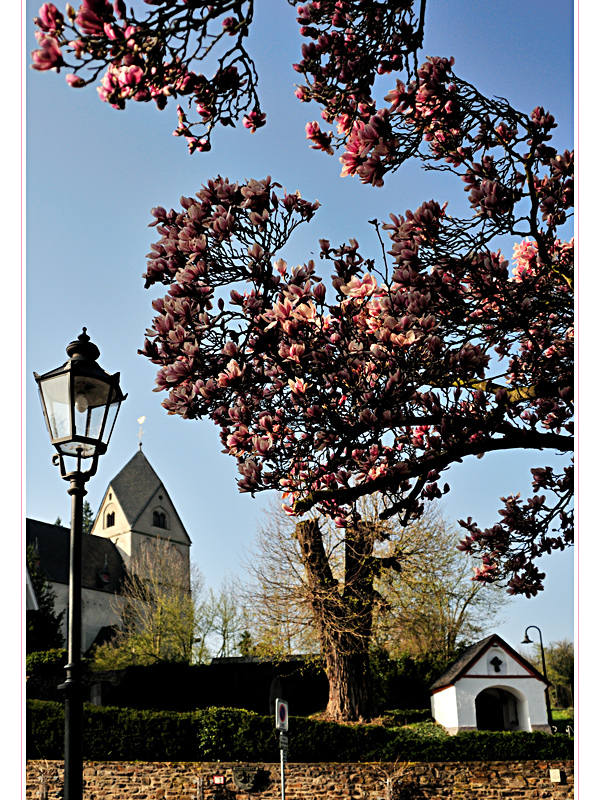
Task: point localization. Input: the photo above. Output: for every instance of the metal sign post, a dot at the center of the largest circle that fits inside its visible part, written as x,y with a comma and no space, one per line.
281,723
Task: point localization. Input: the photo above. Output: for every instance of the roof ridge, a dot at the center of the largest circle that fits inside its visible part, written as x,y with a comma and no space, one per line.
456,669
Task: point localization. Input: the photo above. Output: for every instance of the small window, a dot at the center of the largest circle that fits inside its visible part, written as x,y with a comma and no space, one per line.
159,519
110,519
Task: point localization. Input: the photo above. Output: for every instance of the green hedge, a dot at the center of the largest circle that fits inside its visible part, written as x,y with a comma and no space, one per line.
226,734
42,661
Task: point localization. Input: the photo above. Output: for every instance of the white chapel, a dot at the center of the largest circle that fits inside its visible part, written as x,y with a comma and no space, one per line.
490,687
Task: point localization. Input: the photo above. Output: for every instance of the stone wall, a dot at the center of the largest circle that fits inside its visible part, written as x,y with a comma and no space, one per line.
120,780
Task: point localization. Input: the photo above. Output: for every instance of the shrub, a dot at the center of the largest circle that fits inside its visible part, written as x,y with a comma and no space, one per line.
45,725
406,716
227,734
45,660
235,734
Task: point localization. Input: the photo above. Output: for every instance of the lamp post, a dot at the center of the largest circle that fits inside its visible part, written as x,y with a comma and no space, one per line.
527,640
80,403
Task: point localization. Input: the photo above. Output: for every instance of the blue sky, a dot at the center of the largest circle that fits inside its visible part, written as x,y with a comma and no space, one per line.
92,176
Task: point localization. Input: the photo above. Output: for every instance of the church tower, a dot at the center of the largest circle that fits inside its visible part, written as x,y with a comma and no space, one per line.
137,513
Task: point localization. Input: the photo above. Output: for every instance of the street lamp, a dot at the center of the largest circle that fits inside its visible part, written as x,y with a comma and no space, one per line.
527,640
80,402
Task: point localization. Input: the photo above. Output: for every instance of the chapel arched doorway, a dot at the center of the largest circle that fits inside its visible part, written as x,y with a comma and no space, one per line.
497,710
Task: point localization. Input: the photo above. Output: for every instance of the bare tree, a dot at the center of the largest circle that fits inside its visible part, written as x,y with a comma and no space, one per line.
225,620
275,591
433,604
161,605
316,588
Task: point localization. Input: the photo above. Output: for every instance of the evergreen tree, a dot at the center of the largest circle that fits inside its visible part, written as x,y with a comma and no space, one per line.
43,625
88,517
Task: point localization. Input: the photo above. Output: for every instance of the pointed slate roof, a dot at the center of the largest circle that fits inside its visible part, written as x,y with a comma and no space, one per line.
135,486
52,546
457,669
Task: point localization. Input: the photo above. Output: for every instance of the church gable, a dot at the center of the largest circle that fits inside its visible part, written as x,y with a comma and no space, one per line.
111,520
137,503
159,518
497,661
488,658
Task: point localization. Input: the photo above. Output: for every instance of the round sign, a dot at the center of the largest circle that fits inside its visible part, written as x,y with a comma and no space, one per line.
281,715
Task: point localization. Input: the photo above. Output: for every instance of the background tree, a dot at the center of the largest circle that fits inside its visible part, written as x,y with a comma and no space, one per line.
168,615
431,606
88,517
43,624
425,605
560,668
275,588
159,609
226,621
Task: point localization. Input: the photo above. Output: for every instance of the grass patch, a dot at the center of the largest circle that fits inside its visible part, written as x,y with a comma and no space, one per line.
563,718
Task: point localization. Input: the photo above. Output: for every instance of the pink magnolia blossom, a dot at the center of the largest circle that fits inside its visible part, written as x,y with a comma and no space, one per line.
254,120
75,81
50,55
320,140
50,19
360,287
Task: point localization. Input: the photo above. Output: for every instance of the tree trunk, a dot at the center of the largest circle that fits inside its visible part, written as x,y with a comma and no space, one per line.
350,695
343,613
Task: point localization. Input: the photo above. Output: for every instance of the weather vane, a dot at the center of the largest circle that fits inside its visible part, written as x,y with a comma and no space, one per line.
141,421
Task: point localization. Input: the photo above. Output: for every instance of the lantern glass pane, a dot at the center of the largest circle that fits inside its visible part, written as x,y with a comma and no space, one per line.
110,420
77,448
91,398
55,399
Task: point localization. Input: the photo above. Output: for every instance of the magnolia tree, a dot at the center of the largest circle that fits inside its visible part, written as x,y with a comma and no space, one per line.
375,376
158,57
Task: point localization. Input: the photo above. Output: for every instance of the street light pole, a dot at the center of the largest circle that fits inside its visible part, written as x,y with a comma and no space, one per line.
72,687
527,640
80,402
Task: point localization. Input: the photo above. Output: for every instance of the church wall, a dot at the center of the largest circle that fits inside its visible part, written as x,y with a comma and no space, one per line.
160,519
467,690
141,541
123,543
98,609
444,709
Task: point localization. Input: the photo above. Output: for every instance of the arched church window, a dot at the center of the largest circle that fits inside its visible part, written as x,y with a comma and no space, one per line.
110,519
159,519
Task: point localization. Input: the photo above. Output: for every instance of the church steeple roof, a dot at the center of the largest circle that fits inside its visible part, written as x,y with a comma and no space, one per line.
136,486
